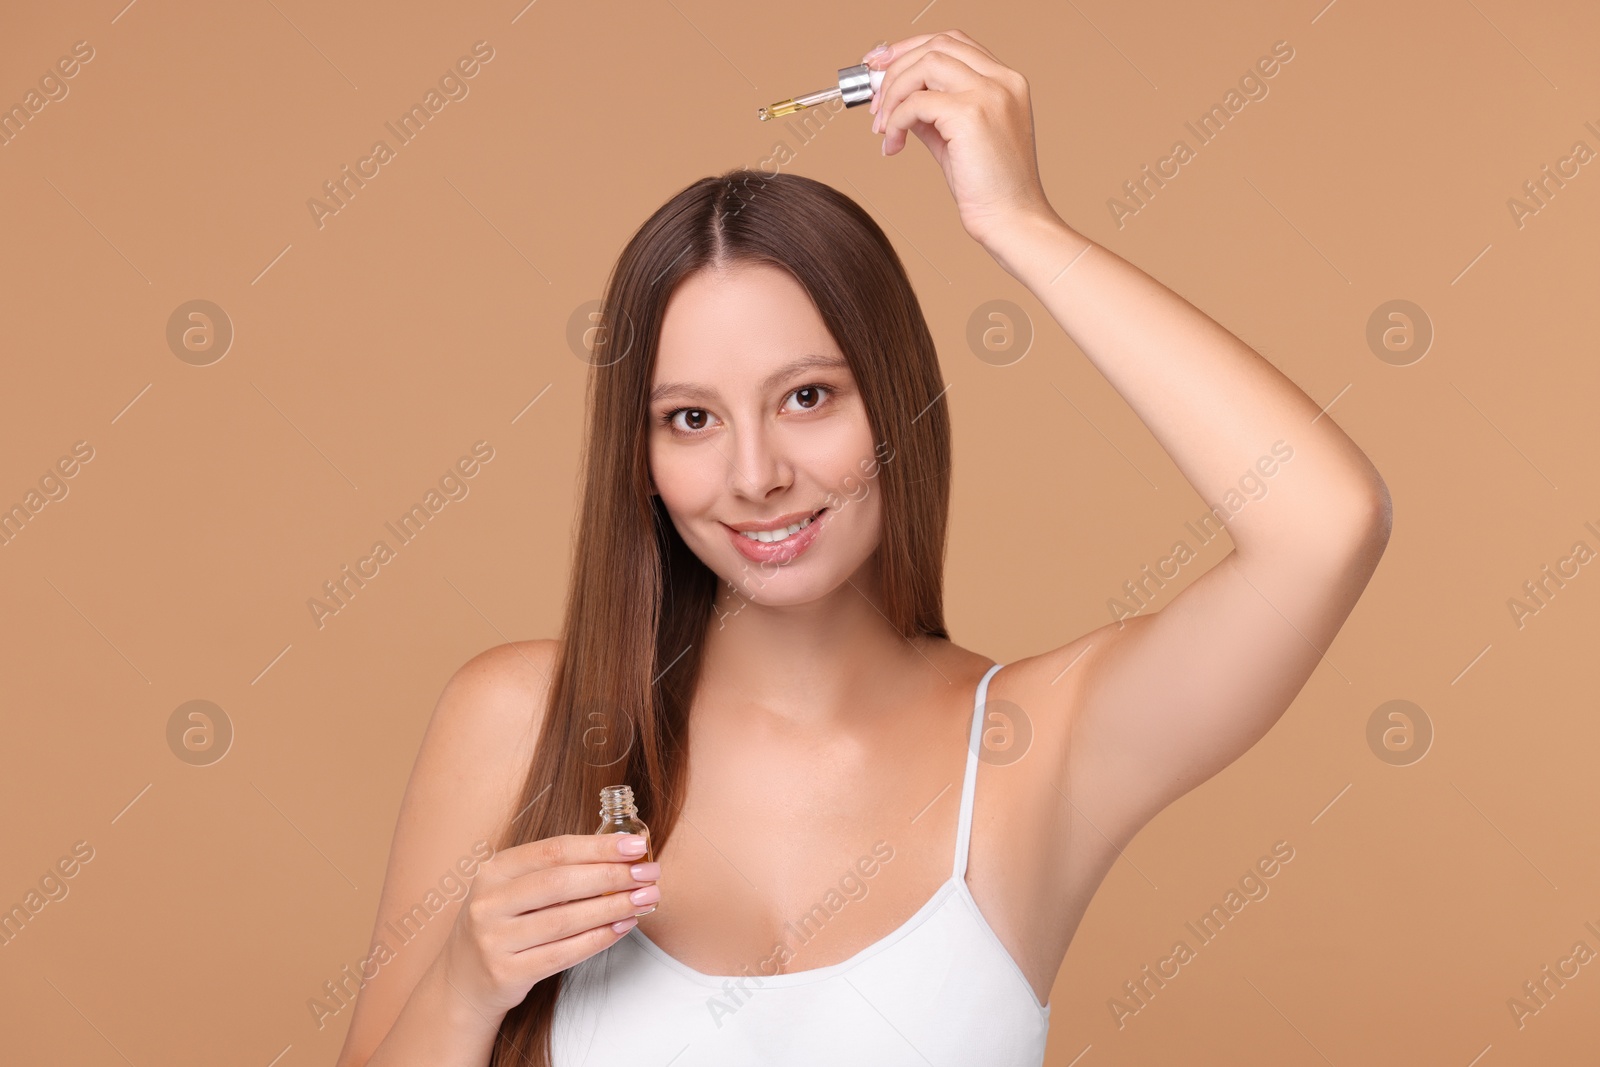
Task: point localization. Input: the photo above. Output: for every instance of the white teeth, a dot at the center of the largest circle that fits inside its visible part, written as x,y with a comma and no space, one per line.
768,536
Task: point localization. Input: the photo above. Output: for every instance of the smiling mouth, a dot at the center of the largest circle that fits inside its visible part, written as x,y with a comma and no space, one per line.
770,537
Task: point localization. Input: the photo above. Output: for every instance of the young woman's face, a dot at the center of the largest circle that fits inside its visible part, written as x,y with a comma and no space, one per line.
755,417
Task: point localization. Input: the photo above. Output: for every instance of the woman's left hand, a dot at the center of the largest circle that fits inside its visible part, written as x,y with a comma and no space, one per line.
973,113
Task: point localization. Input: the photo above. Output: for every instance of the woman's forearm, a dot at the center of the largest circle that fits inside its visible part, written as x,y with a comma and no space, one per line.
436,1028
1211,401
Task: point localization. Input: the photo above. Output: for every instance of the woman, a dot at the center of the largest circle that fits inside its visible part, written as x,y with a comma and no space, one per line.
756,595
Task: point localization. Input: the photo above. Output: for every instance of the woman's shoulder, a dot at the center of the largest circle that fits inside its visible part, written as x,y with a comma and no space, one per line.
1042,670
501,690
490,711
1052,681
515,667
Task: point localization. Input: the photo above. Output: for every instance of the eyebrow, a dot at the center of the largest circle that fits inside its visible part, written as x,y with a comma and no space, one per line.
691,391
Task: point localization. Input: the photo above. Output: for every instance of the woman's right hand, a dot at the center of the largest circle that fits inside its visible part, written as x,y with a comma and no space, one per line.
540,907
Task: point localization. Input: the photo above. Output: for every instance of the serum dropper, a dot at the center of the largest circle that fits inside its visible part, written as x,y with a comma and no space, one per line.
856,86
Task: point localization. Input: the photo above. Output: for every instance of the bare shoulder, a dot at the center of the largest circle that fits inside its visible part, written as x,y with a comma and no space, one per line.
1048,686
1049,692
486,723
467,774
498,695
521,666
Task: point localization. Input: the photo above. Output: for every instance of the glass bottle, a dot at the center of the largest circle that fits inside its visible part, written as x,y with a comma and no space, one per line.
618,815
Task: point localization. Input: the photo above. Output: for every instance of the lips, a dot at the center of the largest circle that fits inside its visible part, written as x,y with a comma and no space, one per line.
780,552
779,523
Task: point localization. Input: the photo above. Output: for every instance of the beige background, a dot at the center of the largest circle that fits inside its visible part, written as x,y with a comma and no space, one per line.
370,354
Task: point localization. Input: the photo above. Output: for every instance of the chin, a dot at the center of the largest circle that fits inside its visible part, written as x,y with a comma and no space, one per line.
774,586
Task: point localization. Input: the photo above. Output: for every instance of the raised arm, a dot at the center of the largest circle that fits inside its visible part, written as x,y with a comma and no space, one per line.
1173,696
1167,698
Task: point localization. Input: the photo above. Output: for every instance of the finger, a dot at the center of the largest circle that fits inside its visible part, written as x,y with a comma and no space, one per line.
554,851
942,112
900,56
897,63
975,56
553,956
559,921
899,47
559,885
930,137
934,70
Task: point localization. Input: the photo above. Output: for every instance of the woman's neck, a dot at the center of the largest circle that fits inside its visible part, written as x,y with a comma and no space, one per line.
814,665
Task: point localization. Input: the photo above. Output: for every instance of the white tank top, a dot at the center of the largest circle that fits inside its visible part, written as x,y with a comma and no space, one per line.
941,989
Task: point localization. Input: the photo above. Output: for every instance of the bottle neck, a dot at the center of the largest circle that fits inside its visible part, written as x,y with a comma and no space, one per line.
616,802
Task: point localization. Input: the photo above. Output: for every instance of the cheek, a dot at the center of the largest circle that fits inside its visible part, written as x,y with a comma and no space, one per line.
687,483
843,459
861,514
863,495
853,476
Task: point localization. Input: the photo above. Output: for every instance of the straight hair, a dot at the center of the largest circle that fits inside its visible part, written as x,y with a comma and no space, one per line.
639,600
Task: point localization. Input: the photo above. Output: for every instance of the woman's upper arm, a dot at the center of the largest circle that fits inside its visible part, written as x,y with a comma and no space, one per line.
468,772
1173,696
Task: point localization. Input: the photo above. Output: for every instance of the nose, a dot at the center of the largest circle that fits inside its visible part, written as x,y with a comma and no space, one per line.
758,467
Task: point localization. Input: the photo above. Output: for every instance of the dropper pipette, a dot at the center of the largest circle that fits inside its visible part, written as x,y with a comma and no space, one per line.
856,86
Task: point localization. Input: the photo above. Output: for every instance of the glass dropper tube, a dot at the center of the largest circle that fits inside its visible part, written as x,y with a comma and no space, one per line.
856,86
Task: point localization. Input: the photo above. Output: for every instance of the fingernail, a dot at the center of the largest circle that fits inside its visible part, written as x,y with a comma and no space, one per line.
645,872
881,46
648,895
883,146
631,845
622,926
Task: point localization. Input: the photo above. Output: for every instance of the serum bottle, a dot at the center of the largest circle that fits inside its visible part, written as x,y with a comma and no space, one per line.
618,815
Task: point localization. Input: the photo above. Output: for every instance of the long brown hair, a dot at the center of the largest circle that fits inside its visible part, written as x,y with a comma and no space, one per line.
640,600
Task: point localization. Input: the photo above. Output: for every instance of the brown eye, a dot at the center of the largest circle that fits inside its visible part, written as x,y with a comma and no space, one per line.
809,396
694,420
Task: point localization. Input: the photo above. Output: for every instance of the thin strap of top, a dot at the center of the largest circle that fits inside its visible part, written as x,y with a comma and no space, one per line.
969,781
